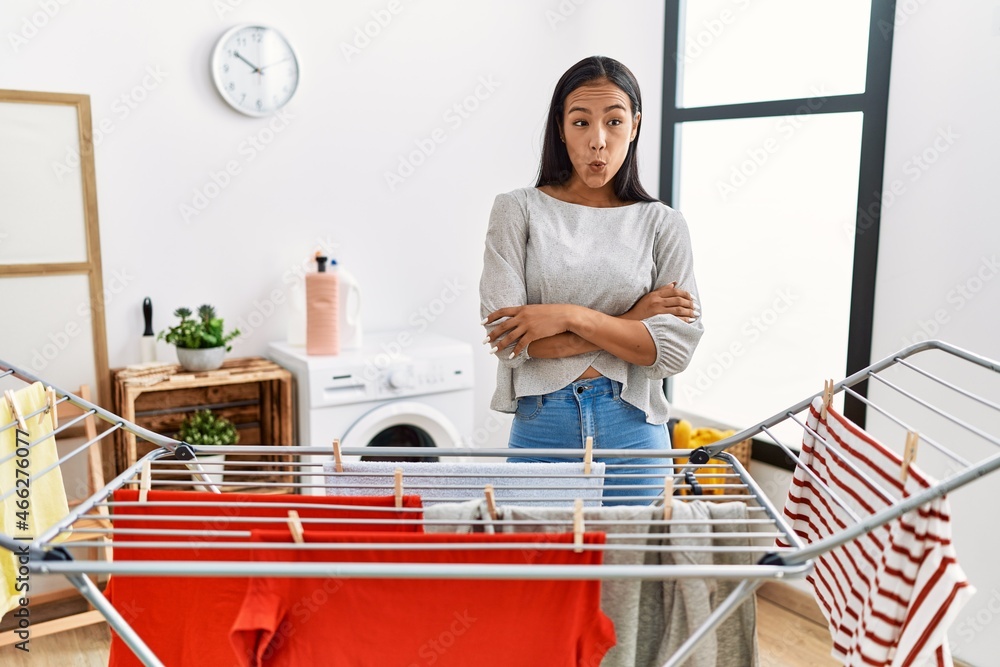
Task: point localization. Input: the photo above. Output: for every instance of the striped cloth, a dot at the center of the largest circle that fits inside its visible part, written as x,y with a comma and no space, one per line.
888,596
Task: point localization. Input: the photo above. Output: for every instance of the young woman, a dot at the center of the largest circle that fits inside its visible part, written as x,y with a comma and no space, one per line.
588,289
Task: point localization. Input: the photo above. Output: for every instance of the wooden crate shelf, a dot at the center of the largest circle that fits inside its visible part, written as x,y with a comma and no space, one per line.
253,393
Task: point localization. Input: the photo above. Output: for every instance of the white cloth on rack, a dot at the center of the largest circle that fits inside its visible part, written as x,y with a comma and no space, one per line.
888,596
547,484
653,618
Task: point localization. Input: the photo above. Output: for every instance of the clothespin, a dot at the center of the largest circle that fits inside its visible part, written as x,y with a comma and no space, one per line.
827,397
295,527
692,481
15,410
491,501
338,461
668,497
145,481
399,487
588,457
578,526
50,399
909,453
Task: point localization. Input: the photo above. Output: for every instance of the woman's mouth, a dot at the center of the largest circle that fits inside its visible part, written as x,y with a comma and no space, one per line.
597,166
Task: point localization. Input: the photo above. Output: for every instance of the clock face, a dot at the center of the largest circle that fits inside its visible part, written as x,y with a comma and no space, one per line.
255,69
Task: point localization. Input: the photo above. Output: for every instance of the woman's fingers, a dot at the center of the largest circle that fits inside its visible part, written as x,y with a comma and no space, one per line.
504,334
522,341
496,336
516,327
683,308
499,315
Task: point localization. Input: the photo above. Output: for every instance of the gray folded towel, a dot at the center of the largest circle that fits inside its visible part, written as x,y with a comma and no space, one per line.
539,484
469,517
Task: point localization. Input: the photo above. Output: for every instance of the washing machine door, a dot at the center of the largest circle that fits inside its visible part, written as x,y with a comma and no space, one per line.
402,424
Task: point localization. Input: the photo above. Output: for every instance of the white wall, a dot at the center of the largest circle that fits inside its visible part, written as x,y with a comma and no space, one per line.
321,180
940,243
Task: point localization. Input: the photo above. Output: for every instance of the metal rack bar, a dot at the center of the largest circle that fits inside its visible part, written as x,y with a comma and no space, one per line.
428,570
835,449
79,450
94,596
950,385
953,419
740,594
899,422
403,546
815,478
31,445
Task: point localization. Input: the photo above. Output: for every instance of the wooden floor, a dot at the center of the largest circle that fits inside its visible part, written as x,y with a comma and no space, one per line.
791,631
82,647
787,632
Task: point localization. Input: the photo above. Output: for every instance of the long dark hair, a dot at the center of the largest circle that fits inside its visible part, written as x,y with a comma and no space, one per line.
556,167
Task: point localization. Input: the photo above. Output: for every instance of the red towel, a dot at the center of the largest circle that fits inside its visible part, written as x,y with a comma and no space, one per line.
304,622
186,621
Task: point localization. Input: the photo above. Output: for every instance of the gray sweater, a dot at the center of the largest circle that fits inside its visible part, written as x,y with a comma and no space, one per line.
540,249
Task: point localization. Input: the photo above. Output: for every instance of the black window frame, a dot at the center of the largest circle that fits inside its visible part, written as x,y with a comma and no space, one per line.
874,104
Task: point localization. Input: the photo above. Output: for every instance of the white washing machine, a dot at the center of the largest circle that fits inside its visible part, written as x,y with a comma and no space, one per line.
399,390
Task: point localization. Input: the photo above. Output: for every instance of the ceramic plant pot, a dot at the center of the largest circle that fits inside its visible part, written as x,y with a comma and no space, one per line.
201,359
214,467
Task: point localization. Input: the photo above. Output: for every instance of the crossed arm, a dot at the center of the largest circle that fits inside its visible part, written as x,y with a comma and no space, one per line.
555,331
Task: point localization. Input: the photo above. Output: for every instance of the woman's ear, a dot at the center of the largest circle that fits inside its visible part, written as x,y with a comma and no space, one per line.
635,125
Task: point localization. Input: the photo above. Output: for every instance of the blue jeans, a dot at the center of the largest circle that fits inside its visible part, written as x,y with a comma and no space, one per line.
594,407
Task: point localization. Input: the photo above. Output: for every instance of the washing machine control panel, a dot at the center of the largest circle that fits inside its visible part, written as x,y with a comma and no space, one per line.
382,373
398,379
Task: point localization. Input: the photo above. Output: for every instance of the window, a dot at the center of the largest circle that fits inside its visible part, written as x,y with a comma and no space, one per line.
773,144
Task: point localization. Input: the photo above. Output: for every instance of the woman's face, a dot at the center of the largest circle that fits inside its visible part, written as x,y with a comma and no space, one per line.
598,127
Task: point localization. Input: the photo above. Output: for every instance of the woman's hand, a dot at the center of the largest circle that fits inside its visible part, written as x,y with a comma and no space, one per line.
525,324
666,300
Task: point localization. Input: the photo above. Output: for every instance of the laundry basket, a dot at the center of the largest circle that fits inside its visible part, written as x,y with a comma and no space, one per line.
685,436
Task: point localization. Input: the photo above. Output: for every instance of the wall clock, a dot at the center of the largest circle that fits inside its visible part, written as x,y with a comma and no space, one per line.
255,69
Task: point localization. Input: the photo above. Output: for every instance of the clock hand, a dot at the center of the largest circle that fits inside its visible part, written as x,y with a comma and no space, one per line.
254,67
276,63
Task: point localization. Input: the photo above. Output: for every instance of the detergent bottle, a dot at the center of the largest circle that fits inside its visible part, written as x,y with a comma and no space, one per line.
350,310
322,316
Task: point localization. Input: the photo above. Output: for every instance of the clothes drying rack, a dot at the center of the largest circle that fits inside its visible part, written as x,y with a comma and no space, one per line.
926,386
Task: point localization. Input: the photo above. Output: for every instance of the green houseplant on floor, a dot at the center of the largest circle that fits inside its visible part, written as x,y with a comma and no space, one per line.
200,341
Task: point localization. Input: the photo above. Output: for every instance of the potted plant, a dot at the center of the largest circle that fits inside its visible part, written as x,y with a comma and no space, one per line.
204,428
200,342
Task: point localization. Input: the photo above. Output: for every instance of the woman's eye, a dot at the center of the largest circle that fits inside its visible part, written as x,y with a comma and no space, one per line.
615,121
579,123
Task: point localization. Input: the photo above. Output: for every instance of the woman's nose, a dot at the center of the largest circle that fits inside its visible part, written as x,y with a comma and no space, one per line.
598,139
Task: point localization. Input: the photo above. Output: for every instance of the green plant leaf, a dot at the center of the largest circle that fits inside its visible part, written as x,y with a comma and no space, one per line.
205,428
208,331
